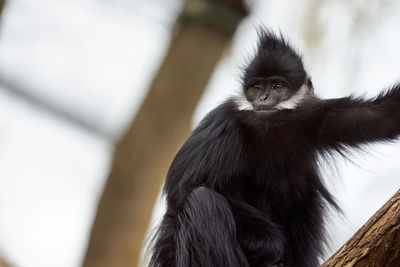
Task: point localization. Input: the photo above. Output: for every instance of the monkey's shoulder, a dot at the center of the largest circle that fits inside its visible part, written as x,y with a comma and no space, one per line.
217,129
220,121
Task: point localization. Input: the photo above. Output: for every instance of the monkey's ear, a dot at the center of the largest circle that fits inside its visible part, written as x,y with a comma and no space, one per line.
309,84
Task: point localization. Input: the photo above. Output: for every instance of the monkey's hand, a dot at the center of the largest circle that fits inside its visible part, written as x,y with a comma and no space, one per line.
262,239
265,246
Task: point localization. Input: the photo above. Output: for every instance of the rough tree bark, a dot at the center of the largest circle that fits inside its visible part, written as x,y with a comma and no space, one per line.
142,156
377,243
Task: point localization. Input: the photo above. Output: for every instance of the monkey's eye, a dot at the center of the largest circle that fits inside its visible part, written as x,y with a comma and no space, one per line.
255,87
277,86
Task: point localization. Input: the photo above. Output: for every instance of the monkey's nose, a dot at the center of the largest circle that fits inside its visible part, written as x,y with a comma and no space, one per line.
263,97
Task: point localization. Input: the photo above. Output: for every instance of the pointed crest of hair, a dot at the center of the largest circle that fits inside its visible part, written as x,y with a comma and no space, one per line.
275,57
268,39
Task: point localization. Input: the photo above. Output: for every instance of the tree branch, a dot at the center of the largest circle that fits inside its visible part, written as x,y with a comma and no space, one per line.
377,243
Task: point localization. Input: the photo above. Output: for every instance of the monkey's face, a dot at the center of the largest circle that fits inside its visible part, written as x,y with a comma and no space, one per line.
265,94
275,78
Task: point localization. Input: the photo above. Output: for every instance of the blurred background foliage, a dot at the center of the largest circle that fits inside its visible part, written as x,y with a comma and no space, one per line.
96,97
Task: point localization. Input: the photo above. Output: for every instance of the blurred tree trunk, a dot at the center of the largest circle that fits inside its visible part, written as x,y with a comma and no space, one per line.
3,264
2,2
144,153
377,243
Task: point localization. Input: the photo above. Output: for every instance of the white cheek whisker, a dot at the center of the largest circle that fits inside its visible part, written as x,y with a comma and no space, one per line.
242,103
294,100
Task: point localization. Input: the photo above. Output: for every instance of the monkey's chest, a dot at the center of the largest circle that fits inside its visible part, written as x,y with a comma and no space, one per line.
277,141
277,186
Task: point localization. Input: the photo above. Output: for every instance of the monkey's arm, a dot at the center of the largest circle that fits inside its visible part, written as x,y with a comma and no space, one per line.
199,228
350,121
210,157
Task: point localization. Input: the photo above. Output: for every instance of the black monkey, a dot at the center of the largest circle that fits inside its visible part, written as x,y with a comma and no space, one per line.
245,190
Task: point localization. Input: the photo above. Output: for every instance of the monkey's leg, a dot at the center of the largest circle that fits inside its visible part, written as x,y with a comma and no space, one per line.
305,234
206,232
262,240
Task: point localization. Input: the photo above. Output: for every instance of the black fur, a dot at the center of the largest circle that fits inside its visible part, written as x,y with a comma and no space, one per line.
245,190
